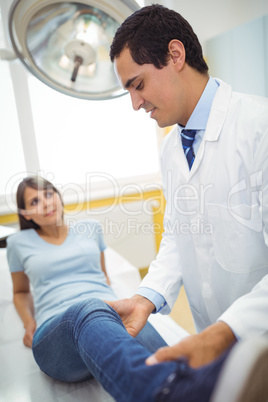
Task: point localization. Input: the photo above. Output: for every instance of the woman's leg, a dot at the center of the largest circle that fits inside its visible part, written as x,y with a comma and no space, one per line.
89,338
150,338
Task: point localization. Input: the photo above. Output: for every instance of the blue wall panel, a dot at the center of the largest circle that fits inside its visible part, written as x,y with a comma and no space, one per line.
240,57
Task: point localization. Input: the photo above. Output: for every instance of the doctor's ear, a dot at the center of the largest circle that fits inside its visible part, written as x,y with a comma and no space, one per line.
177,53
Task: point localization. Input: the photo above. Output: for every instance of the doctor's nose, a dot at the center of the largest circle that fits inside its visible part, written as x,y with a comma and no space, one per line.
137,101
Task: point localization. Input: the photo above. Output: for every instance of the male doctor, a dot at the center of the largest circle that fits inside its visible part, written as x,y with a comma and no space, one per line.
215,179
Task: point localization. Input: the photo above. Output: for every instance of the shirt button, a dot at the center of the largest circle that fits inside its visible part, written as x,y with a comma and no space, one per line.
165,391
206,290
171,377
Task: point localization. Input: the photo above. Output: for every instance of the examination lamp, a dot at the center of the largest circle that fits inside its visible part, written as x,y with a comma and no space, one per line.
66,44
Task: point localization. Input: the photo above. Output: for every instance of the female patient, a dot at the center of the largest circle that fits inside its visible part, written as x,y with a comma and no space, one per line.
74,335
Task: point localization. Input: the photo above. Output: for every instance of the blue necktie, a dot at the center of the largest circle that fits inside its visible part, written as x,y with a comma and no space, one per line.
187,139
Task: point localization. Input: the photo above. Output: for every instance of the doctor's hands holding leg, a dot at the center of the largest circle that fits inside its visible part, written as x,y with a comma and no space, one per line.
134,312
198,349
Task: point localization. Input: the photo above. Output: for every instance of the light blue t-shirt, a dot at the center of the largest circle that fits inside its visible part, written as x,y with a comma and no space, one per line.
61,275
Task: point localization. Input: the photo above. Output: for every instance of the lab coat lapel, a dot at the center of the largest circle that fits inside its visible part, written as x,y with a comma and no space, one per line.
219,109
215,123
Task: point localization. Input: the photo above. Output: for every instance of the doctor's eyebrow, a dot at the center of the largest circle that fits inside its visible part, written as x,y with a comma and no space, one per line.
129,82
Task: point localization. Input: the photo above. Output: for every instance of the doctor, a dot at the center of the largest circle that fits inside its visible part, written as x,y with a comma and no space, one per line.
215,179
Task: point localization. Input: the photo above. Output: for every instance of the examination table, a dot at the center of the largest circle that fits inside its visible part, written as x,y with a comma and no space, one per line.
21,379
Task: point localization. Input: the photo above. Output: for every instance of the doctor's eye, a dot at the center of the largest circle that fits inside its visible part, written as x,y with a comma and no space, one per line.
140,86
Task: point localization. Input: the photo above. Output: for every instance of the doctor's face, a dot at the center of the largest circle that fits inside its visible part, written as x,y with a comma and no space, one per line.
157,91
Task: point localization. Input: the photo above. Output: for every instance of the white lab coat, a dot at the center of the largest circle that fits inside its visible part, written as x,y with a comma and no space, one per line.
216,218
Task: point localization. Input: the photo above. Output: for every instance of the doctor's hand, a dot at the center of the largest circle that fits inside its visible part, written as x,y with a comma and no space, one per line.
198,349
134,312
30,328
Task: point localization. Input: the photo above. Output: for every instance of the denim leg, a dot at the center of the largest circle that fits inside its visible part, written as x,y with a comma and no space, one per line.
150,338
90,339
55,352
187,384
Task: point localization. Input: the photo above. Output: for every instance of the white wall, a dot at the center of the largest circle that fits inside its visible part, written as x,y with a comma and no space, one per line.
213,17
128,228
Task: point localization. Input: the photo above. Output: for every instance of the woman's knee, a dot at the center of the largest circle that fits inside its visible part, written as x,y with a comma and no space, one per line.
92,309
93,305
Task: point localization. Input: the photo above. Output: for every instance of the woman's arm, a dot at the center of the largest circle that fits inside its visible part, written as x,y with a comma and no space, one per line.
23,301
104,268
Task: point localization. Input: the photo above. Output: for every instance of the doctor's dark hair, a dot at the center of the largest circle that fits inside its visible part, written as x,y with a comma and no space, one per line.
37,183
147,33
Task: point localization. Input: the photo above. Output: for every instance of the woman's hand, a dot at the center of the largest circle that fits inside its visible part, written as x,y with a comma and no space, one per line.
23,302
30,328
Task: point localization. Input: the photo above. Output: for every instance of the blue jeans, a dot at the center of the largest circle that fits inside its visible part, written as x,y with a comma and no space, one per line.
89,339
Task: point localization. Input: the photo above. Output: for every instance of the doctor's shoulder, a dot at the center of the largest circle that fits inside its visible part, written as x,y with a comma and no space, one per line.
251,106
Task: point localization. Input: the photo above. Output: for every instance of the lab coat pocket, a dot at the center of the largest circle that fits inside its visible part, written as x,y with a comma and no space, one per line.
237,234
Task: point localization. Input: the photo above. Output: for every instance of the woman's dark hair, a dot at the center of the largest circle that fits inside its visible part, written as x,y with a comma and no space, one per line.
37,183
147,33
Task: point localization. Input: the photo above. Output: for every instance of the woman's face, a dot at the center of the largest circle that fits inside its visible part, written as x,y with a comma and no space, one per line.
43,206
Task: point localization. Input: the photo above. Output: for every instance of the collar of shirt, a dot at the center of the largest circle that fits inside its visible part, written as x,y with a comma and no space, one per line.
199,117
